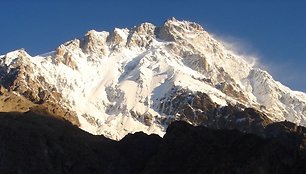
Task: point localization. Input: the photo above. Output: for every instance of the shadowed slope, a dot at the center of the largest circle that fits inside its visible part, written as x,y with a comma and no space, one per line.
33,143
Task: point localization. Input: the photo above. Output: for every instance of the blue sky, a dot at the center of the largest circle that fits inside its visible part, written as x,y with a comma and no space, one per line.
274,31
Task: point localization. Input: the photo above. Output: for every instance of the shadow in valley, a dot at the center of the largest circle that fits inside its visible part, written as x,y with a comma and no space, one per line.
34,143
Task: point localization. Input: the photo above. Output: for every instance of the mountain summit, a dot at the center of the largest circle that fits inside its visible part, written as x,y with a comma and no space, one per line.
141,79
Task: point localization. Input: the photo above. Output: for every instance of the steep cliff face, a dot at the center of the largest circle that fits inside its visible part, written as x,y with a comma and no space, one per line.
141,79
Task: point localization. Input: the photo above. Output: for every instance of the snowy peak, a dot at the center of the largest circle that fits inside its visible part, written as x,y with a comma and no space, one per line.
11,57
173,29
141,79
141,36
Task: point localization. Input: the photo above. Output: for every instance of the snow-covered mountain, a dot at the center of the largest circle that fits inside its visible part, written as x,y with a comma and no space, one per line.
139,79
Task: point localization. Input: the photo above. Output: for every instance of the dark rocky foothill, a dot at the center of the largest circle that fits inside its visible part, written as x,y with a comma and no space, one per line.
34,143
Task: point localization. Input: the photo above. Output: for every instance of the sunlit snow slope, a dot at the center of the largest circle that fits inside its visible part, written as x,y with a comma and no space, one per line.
117,81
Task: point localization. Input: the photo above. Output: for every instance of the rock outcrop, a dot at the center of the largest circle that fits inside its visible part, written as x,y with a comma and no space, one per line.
22,91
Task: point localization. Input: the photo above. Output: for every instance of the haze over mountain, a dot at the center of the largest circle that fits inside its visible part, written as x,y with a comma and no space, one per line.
143,78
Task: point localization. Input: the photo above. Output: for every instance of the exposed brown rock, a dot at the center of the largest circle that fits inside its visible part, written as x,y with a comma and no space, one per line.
229,90
55,110
148,119
12,102
142,35
115,40
91,120
168,31
198,109
22,91
94,43
65,57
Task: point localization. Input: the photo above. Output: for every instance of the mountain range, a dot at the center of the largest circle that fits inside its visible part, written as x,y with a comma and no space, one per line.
144,78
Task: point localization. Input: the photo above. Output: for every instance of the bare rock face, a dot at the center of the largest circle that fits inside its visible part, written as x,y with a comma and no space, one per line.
229,90
12,102
95,43
62,55
198,109
117,39
35,89
145,118
57,111
148,119
172,29
142,35
193,59
22,91
22,80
